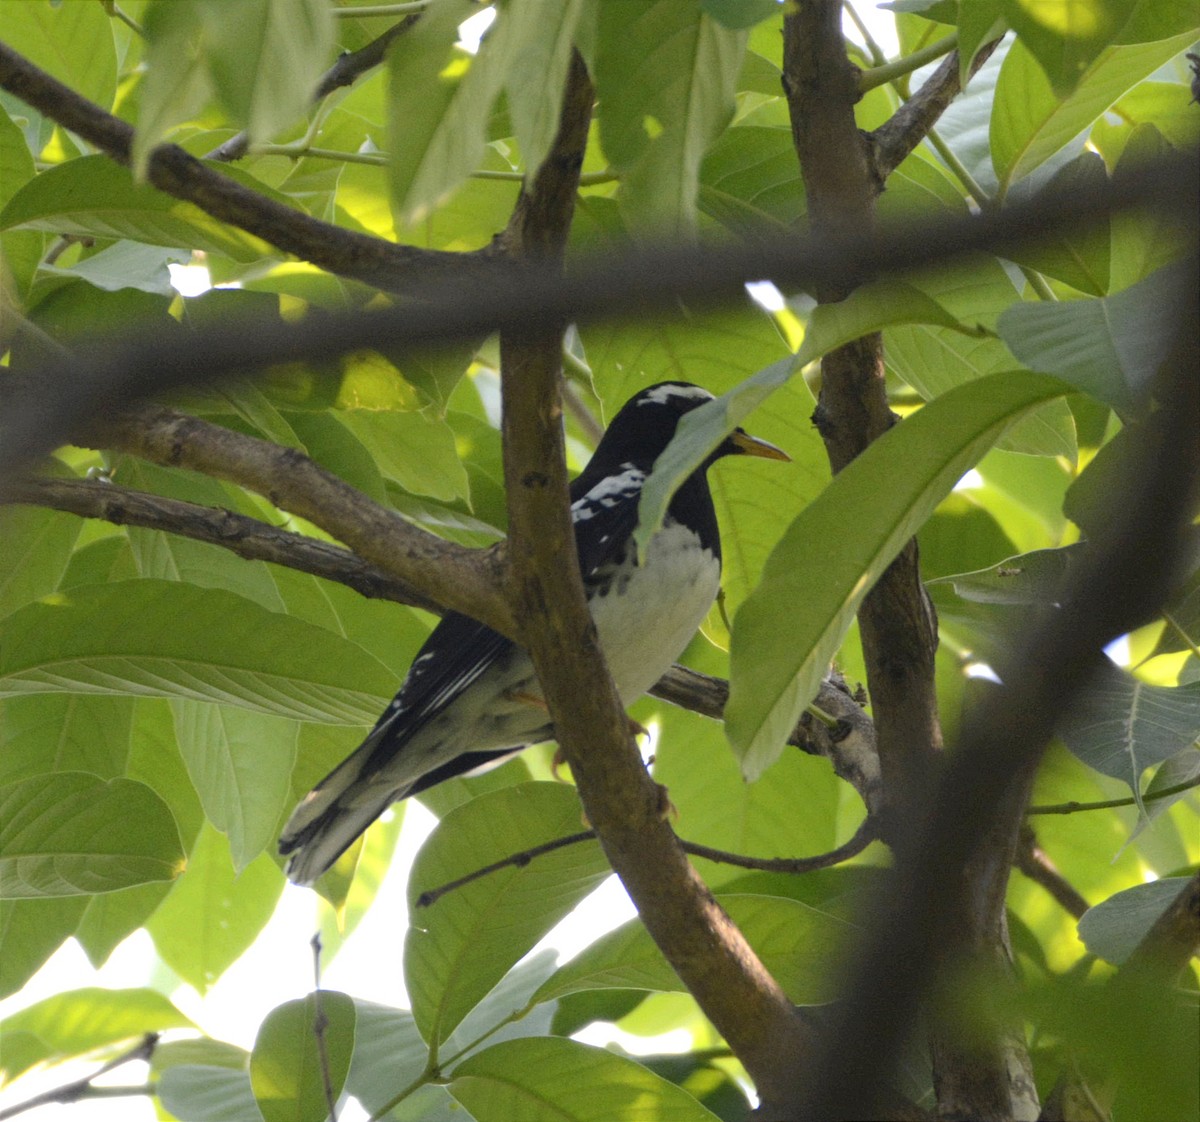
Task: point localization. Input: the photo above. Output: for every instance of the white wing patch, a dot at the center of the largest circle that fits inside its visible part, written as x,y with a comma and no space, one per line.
608,493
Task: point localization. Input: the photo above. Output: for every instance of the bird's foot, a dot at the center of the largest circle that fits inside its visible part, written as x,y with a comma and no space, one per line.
666,808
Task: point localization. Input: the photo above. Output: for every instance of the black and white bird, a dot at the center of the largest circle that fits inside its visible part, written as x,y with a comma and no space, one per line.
471,697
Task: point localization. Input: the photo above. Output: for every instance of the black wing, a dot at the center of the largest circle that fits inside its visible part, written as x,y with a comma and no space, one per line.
605,517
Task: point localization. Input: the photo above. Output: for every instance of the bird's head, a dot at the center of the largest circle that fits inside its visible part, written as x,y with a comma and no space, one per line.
643,428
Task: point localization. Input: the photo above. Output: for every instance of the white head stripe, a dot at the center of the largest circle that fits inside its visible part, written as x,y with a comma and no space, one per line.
660,395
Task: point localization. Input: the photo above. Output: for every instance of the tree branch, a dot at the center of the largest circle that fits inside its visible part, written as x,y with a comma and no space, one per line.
345,252
1034,862
862,838
349,67
52,401
247,537
79,1089
622,802
458,578
1124,577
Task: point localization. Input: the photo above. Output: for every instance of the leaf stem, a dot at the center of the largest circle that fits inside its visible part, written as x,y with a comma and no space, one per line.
403,9
889,71
1075,807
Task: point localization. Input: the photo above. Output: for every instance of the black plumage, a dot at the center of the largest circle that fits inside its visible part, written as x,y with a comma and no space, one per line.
470,696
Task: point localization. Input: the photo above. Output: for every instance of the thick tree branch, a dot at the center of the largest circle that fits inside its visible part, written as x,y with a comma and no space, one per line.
171,169
843,172
910,124
1125,576
247,537
345,72
54,400
621,801
462,579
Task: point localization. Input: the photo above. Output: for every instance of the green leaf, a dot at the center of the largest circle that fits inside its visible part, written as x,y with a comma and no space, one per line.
748,179
241,766
112,917
80,1021
548,1079
37,548
1113,928
439,98
867,513
128,264
125,638
1111,348
1067,38
176,82
16,161
208,1093
1030,123
71,833
738,14
71,42
93,197
666,75
30,932
388,1054
978,23
265,56
867,309
416,451
1080,258
794,941
539,36
287,1067
214,912
1121,725
459,947
1031,578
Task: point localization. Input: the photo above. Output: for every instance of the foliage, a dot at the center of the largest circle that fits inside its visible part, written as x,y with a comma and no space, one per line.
165,702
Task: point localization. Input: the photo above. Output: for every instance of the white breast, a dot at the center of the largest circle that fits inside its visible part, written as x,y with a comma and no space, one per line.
655,609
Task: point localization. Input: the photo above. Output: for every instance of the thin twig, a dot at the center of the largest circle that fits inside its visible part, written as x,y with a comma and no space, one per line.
1107,804
320,1026
890,71
82,1088
1033,861
863,836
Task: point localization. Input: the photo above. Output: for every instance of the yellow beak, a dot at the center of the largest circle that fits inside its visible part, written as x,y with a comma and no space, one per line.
752,446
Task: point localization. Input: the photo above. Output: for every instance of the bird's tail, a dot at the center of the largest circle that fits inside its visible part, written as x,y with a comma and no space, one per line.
332,815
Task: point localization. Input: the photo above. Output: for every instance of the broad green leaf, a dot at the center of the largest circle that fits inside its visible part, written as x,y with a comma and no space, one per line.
287,1067
548,1079
265,57
30,932
416,451
1179,769
867,309
540,36
978,23
1067,38
80,1021
1113,928
748,179
740,13
37,548
112,917
933,359
176,82
93,197
388,1053
1080,258
1030,123
16,161
241,765
864,517
459,947
129,264
71,42
795,942
1031,578
126,638
1111,348
43,733
334,446
439,98
70,833
214,912
208,1093
1121,725
154,760
666,75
